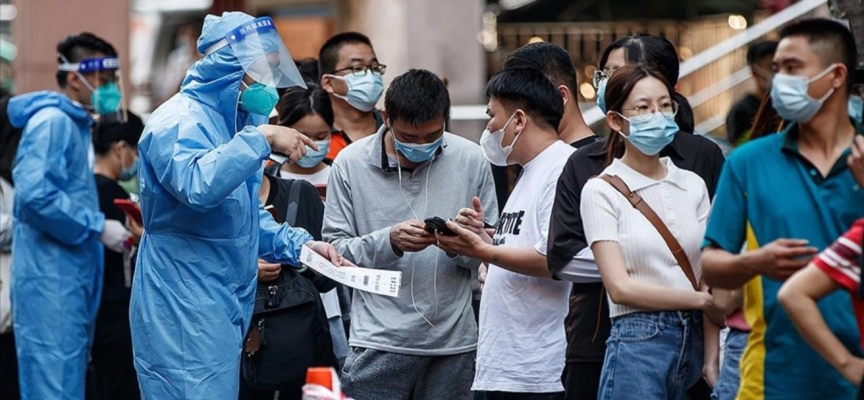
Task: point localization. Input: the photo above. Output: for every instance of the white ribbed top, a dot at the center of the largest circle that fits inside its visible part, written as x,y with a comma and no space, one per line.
682,202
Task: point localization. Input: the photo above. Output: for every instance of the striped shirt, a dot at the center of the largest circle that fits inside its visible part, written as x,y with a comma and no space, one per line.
842,262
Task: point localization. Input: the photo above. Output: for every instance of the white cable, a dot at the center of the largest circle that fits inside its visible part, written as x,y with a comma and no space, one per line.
413,262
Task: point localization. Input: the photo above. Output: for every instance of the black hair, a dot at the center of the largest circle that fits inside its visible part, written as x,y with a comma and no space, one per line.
548,58
529,90
328,57
838,37
417,97
109,130
661,54
761,50
308,68
78,47
298,102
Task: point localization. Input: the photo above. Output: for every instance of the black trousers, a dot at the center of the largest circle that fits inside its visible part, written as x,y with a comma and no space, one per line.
524,396
8,368
112,366
582,380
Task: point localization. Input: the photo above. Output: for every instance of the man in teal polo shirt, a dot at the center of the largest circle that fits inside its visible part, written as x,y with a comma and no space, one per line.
788,196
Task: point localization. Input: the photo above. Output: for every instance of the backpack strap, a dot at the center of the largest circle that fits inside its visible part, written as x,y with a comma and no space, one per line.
293,203
643,207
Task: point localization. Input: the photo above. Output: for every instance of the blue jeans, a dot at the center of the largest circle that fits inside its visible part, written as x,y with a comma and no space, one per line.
727,383
652,355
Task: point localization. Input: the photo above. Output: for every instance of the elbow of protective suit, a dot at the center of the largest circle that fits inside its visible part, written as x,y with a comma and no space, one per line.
70,226
202,201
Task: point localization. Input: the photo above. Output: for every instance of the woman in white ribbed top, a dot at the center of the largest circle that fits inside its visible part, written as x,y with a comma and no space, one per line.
655,350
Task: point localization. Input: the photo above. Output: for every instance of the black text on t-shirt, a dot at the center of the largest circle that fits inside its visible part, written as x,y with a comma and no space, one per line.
510,223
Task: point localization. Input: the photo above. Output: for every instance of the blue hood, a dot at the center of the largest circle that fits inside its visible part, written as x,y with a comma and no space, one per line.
22,107
214,80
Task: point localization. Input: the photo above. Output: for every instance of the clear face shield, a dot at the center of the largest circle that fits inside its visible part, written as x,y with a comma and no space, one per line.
101,75
262,54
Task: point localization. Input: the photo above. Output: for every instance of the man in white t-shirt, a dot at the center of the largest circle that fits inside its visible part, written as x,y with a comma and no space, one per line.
520,354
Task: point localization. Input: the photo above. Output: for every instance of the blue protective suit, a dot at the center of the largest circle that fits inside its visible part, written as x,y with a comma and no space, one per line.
200,172
56,253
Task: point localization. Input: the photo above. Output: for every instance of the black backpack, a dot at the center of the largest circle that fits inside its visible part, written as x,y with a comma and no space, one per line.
289,331
9,139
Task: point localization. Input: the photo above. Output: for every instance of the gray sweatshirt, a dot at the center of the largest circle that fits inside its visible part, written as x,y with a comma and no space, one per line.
364,200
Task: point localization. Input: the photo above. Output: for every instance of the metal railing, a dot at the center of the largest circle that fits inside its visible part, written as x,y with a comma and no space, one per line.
592,114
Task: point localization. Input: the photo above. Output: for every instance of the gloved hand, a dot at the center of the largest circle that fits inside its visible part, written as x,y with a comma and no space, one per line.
114,234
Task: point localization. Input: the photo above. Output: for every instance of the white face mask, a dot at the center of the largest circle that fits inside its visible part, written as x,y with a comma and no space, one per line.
492,145
791,100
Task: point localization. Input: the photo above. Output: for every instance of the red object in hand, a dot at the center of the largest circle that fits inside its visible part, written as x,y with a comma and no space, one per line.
320,376
325,377
130,208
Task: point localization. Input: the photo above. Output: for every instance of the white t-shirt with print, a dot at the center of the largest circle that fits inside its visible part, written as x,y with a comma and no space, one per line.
522,340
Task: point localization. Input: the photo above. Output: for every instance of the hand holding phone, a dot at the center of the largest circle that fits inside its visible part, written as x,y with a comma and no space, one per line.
130,208
437,224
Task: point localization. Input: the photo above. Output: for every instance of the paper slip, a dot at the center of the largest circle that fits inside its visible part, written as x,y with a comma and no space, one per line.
370,280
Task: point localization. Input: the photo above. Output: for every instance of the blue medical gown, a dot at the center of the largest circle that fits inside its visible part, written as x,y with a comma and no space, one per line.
56,253
193,293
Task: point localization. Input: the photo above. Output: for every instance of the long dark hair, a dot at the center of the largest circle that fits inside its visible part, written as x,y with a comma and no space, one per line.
767,120
298,102
618,89
659,53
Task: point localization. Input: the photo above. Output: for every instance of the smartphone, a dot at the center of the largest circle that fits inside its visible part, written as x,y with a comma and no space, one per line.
437,224
279,158
130,208
322,191
273,212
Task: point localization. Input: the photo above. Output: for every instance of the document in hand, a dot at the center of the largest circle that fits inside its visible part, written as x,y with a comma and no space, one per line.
370,280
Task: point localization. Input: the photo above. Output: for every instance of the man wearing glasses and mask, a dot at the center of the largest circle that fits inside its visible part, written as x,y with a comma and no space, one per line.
352,75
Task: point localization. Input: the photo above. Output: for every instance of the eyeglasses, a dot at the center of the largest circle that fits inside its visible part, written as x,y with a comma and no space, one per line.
362,70
598,76
668,109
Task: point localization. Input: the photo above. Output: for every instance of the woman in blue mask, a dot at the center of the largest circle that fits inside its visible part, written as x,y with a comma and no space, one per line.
655,299
310,113
644,49
112,367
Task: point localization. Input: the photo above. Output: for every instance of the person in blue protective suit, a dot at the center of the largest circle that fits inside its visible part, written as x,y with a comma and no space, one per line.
201,160
56,251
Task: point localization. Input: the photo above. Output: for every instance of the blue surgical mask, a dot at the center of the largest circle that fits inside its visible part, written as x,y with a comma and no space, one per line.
131,172
258,99
856,109
418,153
312,157
791,100
364,91
650,134
601,95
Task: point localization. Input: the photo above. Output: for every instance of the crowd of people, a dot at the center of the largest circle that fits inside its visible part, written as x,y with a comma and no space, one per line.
638,264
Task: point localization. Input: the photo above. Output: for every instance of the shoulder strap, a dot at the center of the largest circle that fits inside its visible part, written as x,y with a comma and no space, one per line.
293,203
643,207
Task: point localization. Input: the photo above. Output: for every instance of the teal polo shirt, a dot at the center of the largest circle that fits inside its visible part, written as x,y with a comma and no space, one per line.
768,191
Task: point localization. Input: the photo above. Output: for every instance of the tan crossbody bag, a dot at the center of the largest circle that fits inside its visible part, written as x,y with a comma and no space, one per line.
643,207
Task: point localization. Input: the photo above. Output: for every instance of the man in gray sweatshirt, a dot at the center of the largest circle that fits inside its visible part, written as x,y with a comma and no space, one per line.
420,345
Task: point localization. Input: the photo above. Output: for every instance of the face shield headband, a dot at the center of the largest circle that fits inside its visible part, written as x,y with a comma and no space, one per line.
262,54
106,99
